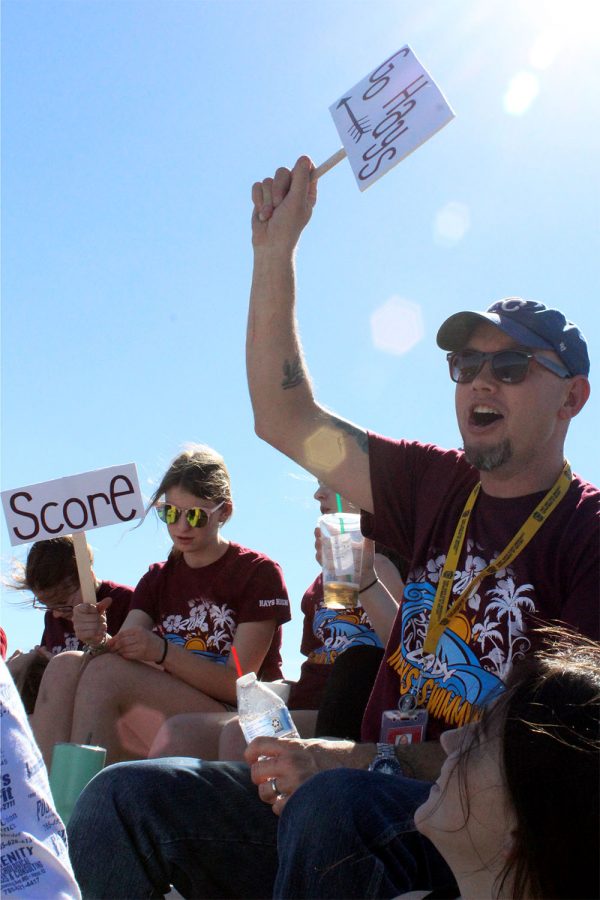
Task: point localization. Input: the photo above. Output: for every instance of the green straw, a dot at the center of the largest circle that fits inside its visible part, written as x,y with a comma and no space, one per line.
338,500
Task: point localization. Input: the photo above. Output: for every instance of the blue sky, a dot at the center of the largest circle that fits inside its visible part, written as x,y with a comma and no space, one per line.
132,132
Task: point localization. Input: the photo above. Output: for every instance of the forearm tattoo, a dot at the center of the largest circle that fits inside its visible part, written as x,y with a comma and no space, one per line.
293,373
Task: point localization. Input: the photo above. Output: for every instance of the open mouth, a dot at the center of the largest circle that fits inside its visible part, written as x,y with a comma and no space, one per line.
484,416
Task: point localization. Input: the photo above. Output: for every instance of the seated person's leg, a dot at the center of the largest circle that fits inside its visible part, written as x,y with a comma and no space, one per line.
192,734
121,704
140,827
348,689
53,715
362,839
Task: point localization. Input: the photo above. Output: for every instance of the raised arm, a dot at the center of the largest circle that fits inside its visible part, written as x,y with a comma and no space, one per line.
286,413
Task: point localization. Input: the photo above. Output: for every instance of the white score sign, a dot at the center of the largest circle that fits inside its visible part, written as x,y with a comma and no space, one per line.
72,504
389,114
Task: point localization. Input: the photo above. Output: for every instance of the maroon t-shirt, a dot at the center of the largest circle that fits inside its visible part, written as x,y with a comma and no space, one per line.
326,633
200,609
419,492
59,634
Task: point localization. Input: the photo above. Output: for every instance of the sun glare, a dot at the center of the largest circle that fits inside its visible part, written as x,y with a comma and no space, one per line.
545,50
521,92
397,325
451,223
557,29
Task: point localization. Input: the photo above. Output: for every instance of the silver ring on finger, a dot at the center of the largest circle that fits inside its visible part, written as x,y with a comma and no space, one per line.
274,786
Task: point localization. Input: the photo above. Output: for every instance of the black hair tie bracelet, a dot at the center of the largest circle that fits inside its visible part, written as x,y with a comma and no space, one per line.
160,661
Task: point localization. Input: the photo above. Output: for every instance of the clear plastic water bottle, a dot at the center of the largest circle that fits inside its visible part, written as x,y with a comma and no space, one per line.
261,711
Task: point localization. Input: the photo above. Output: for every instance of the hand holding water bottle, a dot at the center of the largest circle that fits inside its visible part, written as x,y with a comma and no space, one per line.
279,766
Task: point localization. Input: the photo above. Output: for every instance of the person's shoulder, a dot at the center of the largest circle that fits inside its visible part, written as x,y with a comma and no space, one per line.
159,569
585,493
246,555
428,451
112,589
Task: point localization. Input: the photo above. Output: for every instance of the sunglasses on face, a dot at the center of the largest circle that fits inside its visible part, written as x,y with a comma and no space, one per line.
196,517
508,366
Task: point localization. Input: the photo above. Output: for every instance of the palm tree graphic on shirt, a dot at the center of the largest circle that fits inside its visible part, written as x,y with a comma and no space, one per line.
511,600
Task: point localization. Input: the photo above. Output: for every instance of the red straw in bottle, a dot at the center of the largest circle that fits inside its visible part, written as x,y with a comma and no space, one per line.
236,660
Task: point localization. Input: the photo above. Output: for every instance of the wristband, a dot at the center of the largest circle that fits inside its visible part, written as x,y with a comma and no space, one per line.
362,590
160,661
97,648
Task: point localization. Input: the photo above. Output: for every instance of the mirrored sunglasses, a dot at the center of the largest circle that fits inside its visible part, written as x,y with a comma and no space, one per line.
507,366
195,516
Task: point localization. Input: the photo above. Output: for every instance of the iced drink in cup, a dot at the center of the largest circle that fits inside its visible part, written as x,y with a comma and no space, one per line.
341,559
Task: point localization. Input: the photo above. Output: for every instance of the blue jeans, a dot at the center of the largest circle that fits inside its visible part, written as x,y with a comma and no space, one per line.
348,833
141,826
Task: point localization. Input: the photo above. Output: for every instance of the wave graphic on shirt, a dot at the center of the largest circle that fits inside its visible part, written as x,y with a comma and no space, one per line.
338,629
453,684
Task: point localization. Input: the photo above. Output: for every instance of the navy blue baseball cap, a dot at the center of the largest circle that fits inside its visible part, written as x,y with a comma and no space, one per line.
530,323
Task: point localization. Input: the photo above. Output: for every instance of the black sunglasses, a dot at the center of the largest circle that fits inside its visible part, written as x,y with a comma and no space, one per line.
508,366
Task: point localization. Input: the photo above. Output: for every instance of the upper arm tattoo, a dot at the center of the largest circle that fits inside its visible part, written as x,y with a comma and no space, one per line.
293,373
359,434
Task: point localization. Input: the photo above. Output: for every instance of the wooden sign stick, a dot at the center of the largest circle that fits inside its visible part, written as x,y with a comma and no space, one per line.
328,164
84,567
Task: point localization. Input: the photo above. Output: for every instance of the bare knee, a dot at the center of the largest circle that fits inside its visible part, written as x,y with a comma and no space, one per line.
104,676
232,742
60,675
173,738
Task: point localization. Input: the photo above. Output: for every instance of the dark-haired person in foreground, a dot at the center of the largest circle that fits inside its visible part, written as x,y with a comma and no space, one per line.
529,552
503,811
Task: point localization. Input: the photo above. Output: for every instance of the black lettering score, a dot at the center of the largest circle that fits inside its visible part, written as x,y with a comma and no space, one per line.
91,499
76,526
74,513
114,494
44,521
28,515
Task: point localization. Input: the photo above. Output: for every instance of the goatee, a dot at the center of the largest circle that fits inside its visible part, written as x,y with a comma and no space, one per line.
490,458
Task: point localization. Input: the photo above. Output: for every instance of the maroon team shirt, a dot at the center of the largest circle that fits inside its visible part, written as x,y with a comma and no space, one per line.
326,633
59,634
200,609
419,492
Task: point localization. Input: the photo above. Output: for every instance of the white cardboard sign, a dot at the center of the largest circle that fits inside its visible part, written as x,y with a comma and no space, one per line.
72,504
388,114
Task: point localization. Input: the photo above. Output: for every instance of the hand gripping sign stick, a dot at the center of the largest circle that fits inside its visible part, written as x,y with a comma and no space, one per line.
387,115
69,506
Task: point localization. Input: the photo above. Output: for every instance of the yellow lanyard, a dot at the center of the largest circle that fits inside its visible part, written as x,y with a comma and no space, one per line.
443,609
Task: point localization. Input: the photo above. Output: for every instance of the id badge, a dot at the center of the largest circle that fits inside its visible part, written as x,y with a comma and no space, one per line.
403,727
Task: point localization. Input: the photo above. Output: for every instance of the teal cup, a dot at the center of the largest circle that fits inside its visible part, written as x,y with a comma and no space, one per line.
73,766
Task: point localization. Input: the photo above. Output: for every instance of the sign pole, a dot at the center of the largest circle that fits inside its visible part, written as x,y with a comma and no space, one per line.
328,164
84,569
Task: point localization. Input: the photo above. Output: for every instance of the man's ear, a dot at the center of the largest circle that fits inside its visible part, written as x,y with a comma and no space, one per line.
576,397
